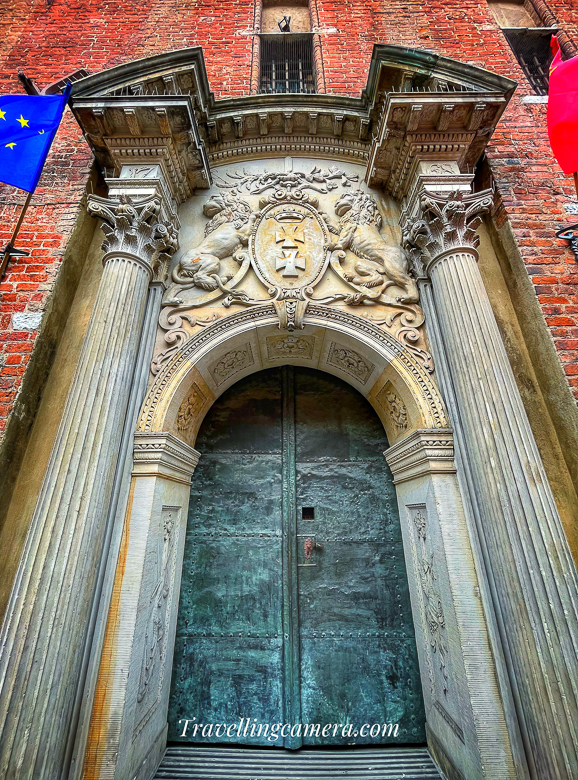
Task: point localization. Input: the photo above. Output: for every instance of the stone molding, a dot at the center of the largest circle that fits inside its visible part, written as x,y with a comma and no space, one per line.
422,452
164,455
134,230
161,391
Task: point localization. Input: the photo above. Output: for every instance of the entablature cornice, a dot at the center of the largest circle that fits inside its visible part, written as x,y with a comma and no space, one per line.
416,106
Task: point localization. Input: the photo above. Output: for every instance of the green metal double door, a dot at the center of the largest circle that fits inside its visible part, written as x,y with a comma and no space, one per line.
294,605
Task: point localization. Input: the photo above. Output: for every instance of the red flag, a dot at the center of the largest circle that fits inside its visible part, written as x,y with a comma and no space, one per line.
563,109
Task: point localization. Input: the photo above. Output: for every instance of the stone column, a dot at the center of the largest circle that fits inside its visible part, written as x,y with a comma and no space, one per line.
44,635
531,573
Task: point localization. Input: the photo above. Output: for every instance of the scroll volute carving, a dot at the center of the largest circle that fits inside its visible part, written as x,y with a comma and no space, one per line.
447,222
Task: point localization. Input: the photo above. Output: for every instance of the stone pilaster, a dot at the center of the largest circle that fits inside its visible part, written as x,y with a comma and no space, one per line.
531,573
129,719
466,719
45,634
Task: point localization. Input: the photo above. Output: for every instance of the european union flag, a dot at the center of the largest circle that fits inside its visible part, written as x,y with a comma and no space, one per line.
28,123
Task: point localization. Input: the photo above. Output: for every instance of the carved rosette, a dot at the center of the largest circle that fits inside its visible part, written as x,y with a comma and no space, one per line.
447,223
136,228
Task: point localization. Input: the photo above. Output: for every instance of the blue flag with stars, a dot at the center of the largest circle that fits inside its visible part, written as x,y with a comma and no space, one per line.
28,124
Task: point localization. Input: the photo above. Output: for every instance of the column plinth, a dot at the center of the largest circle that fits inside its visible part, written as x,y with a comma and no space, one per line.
45,630
532,574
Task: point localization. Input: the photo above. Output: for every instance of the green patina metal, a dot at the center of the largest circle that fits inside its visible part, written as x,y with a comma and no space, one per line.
266,631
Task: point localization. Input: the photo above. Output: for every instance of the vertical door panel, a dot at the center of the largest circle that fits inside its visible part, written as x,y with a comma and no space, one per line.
264,630
358,655
229,650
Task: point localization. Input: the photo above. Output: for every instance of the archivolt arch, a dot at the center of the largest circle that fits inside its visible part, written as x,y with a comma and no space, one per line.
333,340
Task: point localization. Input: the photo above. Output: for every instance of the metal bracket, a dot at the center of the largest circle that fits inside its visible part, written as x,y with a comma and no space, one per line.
570,234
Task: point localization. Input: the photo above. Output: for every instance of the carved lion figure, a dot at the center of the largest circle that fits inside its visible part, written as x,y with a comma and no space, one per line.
378,264
225,235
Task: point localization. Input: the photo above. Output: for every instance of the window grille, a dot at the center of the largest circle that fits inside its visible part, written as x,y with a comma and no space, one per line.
531,45
287,63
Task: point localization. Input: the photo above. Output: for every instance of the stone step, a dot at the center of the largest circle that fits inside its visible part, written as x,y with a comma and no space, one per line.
224,763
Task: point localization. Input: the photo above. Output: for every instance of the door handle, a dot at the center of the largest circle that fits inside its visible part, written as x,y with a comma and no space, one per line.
309,546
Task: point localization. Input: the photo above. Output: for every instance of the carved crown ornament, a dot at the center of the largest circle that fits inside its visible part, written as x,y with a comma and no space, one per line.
294,230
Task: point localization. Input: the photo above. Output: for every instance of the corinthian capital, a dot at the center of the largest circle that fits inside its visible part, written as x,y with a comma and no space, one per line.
447,222
136,228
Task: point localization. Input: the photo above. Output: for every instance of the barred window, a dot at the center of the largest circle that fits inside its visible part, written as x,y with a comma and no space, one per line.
528,39
532,49
287,63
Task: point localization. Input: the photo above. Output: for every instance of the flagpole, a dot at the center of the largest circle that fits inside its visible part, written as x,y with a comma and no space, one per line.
10,249
576,182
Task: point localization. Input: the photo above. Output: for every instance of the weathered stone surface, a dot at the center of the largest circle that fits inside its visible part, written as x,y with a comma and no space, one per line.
459,677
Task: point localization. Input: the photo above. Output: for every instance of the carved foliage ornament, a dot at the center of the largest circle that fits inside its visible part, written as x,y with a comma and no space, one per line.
448,222
397,409
350,361
431,600
136,228
190,408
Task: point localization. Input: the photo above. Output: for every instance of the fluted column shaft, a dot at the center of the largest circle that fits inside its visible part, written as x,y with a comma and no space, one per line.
44,633
525,549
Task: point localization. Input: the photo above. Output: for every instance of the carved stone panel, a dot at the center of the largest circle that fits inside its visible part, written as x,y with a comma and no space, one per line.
392,404
156,600
281,347
190,408
432,616
350,361
231,363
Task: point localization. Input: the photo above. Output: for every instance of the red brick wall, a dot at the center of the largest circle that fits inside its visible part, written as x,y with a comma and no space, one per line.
49,39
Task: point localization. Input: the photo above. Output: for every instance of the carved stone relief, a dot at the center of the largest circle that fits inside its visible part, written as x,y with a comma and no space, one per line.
349,361
190,408
231,363
161,562
290,346
432,615
392,404
292,238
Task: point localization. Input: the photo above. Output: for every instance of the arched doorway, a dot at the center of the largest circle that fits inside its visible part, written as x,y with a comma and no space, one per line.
129,726
294,605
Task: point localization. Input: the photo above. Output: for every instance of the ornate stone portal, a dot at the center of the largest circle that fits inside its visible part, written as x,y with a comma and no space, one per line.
293,256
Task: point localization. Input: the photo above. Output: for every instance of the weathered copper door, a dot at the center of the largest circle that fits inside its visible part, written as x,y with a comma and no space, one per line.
294,604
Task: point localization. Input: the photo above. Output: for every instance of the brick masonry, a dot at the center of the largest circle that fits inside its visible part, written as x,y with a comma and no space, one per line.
49,38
